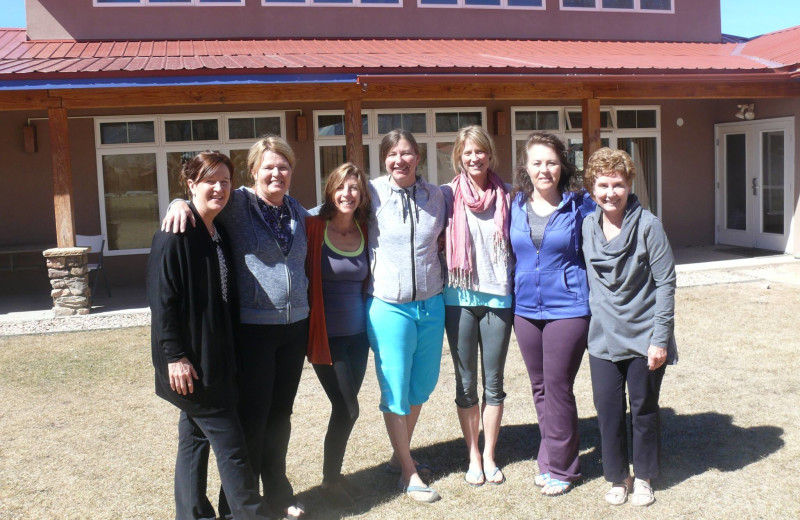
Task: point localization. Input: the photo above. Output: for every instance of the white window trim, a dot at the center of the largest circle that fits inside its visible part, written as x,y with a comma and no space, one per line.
598,6
160,148
248,115
612,116
612,134
351,3
503,5
373,139
191,3
549,108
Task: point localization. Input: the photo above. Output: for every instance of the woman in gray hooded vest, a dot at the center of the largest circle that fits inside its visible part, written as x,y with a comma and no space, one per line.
405,309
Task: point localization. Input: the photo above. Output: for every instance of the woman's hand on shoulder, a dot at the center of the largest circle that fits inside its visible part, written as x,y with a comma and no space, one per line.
182,376
177,216
656,356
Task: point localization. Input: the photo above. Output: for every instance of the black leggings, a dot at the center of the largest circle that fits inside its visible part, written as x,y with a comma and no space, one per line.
342,381
271,359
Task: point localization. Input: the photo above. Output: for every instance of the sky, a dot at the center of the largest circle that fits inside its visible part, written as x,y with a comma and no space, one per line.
745,18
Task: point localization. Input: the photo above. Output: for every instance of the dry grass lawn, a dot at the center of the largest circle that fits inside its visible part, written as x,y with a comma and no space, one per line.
82,434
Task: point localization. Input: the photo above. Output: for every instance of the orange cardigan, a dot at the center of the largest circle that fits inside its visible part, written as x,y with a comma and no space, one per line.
318,350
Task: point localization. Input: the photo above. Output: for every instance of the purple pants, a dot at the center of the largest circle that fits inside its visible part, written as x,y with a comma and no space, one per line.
552,351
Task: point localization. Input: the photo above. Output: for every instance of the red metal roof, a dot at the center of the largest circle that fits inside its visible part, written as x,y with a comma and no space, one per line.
21,59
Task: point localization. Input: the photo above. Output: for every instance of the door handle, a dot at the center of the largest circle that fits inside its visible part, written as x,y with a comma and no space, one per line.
755,186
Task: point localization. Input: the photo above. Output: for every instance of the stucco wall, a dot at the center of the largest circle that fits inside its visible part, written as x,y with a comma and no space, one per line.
61,19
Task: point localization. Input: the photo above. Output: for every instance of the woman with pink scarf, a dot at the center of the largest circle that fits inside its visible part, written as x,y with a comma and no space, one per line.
478,312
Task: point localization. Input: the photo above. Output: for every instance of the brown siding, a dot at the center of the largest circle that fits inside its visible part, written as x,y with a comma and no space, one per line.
78,19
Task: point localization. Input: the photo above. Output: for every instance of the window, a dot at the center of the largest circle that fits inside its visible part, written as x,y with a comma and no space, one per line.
652,6
492,4
537,119
133,132
251,128
433,128
637,119
337,3
191,130
140,159
574,119
130,199
123,3
635,129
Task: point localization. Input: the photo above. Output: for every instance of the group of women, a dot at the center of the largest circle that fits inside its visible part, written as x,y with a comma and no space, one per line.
245,283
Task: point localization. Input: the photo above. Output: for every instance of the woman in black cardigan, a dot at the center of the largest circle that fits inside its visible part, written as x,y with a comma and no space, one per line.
189,292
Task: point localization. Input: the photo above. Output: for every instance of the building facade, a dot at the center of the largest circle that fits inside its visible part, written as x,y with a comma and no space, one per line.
101,101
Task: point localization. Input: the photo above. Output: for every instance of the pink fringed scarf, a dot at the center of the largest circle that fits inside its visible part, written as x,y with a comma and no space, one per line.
459,243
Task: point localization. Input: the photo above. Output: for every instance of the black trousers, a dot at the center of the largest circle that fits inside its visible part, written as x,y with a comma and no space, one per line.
223,433
342,381
271,359
644,386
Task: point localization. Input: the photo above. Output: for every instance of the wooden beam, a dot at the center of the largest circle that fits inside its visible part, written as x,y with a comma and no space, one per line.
352,133
479,89
590,110
698,90
27,100
205,95
475,91
62,177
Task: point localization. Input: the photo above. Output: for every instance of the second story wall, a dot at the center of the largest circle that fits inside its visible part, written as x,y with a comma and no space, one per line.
689,20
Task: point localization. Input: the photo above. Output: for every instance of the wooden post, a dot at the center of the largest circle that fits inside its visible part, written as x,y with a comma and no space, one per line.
62,177
591,128
352,133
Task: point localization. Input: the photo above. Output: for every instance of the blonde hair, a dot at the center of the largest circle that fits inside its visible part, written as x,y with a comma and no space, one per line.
269,143
479,138
606,161
336,179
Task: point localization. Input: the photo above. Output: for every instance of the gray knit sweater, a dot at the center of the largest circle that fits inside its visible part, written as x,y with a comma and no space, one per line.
631,286
403,241
273,288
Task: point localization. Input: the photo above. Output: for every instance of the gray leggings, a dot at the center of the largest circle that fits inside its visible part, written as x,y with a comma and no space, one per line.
471,328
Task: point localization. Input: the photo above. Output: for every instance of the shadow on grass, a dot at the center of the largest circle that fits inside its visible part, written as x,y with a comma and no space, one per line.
691,445
518,442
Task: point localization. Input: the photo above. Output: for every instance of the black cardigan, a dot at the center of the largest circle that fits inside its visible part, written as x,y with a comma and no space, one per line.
190,318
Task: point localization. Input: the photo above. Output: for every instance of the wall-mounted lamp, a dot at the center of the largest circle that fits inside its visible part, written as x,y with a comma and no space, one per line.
746,112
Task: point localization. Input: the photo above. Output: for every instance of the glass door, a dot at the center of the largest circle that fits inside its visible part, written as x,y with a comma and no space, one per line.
753,185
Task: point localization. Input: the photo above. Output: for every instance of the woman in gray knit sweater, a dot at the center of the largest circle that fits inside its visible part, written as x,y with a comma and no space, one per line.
631,275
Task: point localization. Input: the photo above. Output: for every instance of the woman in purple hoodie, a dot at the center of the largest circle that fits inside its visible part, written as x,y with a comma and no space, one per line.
551,307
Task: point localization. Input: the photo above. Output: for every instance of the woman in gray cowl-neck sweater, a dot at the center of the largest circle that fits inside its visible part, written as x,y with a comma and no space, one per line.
631,275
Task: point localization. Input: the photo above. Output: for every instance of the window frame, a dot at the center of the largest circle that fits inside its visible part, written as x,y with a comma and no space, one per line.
312,3
168,3
637,8
503,4
372,139
613,134
161,147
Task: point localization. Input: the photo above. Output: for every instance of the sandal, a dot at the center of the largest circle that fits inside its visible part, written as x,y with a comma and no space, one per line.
490,474
618,494
560,487
642,495
475,477
541,480
424,494
296,512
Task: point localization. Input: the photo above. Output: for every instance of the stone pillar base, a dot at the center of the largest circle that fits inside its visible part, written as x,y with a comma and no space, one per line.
68,270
